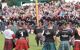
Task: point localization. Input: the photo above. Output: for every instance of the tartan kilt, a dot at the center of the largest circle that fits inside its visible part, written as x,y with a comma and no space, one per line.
21,44
77,45
8,44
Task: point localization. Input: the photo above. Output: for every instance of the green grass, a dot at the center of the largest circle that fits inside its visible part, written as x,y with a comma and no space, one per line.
1,41
33,45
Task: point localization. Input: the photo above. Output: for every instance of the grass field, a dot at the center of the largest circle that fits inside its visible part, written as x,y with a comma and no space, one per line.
1,41
33,45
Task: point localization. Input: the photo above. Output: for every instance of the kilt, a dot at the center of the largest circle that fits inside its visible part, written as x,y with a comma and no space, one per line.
49,46
64,45
8,44
77,45
21,44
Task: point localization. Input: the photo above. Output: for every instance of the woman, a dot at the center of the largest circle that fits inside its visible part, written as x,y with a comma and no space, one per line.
49,38
21,38
77,39
9,36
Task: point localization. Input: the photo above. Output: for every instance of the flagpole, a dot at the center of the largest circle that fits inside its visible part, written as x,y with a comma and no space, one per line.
37,15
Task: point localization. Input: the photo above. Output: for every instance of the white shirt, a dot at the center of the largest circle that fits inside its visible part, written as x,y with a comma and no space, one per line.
8,34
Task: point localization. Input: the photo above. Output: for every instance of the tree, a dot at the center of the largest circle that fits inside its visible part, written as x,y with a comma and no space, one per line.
10,2
18,2
13,2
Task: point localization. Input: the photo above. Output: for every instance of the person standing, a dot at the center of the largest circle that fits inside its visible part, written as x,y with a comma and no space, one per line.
65,36
77,39
39,34
9,36
49,38
22,38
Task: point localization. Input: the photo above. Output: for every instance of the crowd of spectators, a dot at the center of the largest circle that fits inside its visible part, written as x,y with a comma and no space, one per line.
54,11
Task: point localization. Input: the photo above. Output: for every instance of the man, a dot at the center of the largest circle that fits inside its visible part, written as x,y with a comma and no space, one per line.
49,37
9,36
65,36
39,34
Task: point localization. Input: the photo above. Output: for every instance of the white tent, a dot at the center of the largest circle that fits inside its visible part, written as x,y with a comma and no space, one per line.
72,1
4,5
